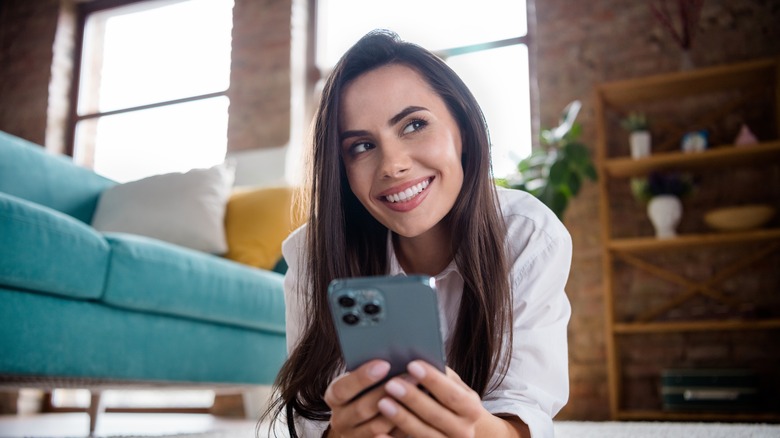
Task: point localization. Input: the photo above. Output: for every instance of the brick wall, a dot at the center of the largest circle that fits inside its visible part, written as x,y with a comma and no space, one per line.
260,75
581,44
27,31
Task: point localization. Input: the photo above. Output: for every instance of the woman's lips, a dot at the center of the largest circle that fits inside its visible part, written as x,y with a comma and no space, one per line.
407,196
409,193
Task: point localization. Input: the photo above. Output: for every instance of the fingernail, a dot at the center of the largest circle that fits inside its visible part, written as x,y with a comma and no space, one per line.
395,389
387,407
416,369
379,370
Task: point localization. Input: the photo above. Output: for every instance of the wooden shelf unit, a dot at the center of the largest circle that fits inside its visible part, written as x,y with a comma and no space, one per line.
651,244
717,157
695,326
619,98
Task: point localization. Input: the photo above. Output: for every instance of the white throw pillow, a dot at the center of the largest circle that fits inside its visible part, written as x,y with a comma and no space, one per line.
186,209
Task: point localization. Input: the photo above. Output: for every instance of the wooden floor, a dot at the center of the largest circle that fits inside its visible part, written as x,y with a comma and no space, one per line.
112,424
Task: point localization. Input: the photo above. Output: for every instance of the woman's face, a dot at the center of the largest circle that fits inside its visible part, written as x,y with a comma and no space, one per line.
401,148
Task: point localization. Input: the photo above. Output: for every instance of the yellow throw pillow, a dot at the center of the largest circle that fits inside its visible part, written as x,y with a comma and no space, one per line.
257,220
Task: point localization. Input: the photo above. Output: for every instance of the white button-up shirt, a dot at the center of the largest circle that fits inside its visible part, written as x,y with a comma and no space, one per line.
536,385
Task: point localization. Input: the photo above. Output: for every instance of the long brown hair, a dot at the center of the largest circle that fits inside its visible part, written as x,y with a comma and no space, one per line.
344,240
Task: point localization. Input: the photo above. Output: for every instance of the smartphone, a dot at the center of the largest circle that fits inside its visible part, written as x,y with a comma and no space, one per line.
393,318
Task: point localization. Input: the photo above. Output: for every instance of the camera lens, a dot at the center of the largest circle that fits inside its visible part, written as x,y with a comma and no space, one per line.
351,319
346,301
371,308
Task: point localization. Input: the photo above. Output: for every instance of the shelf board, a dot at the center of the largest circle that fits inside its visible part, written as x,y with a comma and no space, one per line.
720,157
685,241
695,326
680,84
751,417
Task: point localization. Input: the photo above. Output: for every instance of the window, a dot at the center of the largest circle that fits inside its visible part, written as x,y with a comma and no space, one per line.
152,86
485,42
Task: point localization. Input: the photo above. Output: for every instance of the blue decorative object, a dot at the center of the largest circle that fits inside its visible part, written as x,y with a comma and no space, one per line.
695,141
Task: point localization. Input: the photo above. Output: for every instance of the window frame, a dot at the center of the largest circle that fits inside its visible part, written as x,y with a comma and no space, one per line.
83,12
314,74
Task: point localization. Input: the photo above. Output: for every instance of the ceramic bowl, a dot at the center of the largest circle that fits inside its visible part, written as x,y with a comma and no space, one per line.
744,217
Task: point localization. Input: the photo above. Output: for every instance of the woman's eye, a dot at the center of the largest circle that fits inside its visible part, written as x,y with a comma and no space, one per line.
358,148
414,125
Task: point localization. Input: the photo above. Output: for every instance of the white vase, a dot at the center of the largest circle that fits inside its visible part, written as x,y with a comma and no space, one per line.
665,212
640,142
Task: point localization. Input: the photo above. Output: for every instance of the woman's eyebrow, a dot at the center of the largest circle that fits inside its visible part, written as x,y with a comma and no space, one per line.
405,112
395,119
348,134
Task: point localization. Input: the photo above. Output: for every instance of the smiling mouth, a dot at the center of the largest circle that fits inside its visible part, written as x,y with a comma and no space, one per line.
408,194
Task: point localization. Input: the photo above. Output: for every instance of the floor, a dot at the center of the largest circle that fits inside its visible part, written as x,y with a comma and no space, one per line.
75,425
113,424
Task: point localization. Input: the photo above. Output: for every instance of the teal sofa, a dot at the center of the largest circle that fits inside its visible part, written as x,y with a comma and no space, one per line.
84,308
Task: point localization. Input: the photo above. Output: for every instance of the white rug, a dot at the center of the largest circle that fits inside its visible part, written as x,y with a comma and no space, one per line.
609,429
594,429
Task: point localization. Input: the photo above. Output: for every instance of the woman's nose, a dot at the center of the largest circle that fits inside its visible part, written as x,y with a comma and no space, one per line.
395,160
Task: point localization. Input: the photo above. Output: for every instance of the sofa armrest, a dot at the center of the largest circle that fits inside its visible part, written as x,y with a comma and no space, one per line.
29,172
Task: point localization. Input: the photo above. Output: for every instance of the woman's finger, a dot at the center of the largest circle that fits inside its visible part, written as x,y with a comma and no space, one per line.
424,408
405,420
449,389
346,387
453,411
361,415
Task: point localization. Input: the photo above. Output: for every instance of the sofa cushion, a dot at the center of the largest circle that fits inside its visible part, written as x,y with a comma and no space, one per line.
154,276
257,221
186,209
44,250
27,171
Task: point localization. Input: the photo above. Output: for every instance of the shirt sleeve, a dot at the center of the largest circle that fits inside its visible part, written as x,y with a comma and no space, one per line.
536,385
293,250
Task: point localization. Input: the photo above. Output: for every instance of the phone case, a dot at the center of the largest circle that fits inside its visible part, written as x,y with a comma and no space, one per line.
390,318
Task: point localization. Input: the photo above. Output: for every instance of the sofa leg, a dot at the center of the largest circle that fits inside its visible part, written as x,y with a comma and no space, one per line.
95,408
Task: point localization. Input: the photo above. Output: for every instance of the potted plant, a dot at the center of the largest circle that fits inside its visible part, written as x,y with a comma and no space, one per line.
555,172
639,137
663,192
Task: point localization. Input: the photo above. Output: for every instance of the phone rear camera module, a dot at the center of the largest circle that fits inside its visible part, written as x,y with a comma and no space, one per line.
372,308
346,301
350,319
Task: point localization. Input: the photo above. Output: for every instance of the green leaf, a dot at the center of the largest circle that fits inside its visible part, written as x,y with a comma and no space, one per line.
546,195
575,182
574,133
559,173
558,204
590,172
577,153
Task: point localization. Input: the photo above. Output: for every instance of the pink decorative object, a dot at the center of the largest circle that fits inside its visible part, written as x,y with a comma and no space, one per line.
745,137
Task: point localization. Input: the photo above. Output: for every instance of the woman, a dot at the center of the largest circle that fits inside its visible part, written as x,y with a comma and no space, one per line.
401,183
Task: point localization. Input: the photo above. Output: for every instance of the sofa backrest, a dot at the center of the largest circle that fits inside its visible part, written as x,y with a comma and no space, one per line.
28,171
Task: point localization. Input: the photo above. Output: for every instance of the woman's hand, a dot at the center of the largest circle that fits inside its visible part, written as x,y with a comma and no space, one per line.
451,410
358,417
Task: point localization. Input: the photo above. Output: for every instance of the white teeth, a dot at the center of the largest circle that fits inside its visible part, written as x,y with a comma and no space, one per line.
408,194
